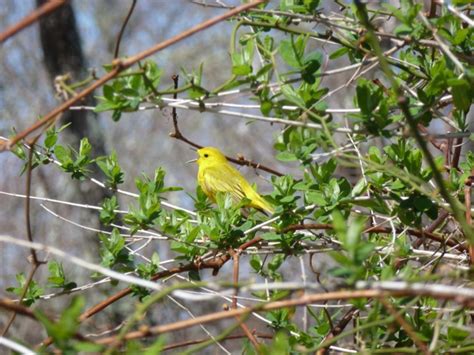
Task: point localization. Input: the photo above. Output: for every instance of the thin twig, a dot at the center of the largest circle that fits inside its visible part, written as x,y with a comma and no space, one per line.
122,29
340,326
178,135
235,276
16,347
406,326
82,263
34,16
414,232
467,201
198,341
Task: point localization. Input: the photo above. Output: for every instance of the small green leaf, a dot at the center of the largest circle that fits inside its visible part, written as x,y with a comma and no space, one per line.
286,156
266,107
338,53
462,93
291,51
292,96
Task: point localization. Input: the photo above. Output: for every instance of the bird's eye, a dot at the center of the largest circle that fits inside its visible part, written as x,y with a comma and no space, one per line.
206,155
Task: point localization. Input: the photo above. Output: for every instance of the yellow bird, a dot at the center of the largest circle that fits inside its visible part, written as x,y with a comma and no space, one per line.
216,174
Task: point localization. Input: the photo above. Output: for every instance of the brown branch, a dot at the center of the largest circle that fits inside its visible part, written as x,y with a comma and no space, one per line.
179,136
235,276
16,307
29,172
338,328
235,256
434,141
122,29
198,341
467,203
215,264
414,232
119,66
191,31
406,326
457,153
304,300
441,218
432,12
34,16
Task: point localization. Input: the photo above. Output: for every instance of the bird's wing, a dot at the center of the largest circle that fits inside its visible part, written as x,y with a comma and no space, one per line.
224,179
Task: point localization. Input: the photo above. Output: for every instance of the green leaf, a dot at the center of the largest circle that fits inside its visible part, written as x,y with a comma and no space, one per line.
311,5
33,293
291,51
51,138
403,30
242,70
316,197
108,91
286,156
63,330
292,96
57,277
271,236
338,53
62,154
109,165
107,213
312,62
84,147
156,347
266,107
462,93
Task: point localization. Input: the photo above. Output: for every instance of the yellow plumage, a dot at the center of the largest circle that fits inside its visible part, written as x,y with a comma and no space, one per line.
216,174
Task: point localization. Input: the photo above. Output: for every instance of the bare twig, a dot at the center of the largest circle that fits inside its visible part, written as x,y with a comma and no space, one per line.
236,256
16,307
122,29
341,325
178,135
16,347
34,16
467,201
198,341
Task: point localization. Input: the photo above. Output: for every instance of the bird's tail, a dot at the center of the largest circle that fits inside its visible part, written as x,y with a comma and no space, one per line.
262,204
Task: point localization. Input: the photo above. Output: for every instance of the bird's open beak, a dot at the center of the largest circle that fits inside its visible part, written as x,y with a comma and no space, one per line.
191,161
